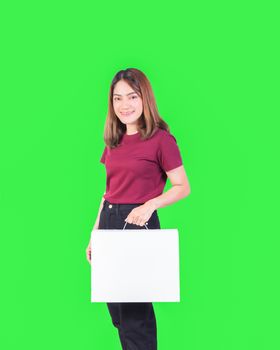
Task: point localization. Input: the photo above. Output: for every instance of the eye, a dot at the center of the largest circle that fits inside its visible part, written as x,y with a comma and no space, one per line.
134,96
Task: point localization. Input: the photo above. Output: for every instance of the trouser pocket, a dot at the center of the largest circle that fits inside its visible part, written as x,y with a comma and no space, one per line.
102,220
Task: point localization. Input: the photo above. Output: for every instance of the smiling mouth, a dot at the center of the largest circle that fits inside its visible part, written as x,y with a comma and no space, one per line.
127,113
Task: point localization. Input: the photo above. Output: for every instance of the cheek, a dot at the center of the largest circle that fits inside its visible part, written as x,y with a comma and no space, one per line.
116,106
138,106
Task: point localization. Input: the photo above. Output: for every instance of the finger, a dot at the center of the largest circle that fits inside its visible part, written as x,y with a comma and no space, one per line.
128,219
139,221
88,259
133,220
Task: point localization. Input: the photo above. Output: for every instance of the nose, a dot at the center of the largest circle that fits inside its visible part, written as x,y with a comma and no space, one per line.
125,104
125,107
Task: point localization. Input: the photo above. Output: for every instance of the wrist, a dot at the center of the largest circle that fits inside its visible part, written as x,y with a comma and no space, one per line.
152,203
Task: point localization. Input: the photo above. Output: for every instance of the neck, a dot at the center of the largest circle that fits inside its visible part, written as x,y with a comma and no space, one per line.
131,131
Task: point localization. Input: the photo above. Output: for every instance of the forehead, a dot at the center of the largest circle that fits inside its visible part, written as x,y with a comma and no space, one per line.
122,88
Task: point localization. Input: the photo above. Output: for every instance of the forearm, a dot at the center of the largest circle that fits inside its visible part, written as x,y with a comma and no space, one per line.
174,194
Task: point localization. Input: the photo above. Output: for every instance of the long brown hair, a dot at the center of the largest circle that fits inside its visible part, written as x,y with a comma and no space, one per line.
150,119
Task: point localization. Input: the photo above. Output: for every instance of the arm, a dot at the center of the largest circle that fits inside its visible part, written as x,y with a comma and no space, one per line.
95,227
180,189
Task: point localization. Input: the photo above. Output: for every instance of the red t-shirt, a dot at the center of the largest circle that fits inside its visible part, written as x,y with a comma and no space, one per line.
136,168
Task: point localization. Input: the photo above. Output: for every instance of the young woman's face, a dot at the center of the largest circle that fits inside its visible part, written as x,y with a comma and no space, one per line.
127,104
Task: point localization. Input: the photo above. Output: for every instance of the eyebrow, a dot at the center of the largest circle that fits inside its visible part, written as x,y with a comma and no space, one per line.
126,94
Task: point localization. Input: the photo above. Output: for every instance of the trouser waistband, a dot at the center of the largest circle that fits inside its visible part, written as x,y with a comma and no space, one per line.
116,206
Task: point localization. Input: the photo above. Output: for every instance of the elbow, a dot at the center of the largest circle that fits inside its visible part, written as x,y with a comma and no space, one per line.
186,191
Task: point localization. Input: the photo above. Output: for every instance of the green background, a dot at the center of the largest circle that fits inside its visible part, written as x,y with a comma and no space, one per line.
212,66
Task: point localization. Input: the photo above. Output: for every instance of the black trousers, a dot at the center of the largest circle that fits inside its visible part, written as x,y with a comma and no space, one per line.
136,322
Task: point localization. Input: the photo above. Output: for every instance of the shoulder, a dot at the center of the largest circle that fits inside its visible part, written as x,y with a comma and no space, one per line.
165,136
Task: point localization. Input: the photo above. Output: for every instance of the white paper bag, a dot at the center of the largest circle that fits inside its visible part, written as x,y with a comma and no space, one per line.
135,265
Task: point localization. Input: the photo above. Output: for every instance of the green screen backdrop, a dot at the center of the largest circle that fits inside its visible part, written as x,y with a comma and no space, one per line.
212,66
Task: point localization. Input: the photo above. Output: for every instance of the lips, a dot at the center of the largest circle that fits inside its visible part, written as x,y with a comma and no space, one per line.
125,114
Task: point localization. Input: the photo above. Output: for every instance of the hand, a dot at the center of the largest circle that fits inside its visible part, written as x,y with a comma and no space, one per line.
140,215
88,253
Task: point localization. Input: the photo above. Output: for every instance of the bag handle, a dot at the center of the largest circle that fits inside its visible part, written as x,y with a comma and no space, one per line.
126,223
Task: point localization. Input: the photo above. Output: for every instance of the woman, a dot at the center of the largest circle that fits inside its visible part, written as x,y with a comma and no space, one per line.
139,155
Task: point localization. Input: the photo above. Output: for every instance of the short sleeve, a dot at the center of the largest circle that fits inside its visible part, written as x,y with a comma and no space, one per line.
169,156
103,157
